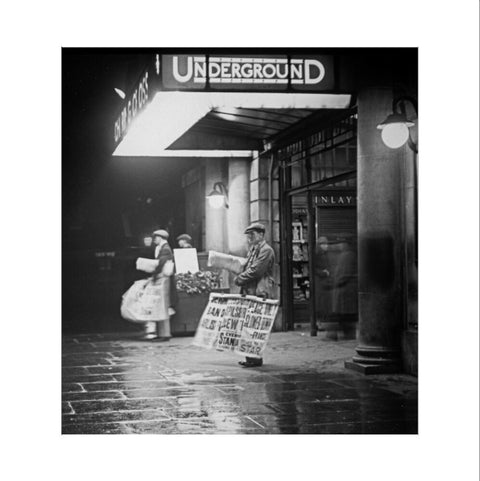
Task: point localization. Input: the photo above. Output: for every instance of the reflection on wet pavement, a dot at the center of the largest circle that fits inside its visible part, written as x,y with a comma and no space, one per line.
115,386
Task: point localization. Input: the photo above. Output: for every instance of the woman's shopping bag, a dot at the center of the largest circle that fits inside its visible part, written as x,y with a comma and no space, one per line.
130,307
146,300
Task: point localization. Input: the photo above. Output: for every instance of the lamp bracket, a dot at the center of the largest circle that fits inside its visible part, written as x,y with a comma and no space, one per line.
221,189
399,102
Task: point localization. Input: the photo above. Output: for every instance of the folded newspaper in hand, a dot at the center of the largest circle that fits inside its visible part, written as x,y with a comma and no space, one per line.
226,261
146,265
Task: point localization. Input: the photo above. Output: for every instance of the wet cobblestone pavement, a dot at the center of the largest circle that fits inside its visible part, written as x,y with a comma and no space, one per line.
119,384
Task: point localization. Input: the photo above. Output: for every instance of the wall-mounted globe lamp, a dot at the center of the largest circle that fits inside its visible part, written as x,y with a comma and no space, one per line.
395,132
396,127
219,196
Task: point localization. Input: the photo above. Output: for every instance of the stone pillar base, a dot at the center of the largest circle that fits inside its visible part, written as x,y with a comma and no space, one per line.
366,369
375,360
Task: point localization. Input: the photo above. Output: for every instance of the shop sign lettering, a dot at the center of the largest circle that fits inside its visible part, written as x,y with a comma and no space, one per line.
336,200
235,323
133,106
247,73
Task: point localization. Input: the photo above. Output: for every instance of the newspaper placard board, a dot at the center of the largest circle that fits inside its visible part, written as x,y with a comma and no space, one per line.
186,260
236,323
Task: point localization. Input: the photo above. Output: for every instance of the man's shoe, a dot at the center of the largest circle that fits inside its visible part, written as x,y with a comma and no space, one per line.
162,339
149,337
251,363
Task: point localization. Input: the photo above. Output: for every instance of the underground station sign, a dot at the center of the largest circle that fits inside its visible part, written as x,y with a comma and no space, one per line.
246,72
308,73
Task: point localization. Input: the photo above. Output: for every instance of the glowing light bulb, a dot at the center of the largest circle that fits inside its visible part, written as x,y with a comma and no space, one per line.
395,135
216,201
119,92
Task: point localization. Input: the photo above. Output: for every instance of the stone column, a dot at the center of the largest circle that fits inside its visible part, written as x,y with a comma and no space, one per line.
215,229
238,213
380,244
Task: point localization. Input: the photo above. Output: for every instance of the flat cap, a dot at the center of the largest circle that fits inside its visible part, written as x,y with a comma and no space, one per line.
184,237
256,226
161,233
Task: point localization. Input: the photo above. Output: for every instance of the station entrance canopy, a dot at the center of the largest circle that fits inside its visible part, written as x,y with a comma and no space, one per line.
222,105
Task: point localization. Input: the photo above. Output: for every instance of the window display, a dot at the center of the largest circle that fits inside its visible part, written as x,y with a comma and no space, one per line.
300,257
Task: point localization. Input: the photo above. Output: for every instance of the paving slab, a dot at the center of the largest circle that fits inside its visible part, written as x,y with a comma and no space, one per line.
119,384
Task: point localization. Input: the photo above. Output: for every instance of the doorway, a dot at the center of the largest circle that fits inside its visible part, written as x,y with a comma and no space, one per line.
321,259
335,263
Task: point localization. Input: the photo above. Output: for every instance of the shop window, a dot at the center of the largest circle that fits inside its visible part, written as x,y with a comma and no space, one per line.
325,154
300,257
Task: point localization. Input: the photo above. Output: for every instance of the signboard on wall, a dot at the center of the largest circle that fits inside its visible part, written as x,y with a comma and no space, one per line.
186,260
248,72
137,98
328,199
134,104
235,323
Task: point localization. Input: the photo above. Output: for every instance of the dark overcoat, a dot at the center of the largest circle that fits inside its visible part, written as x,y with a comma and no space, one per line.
257,276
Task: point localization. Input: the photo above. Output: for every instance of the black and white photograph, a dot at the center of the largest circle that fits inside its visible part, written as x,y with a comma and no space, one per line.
240,240
239,233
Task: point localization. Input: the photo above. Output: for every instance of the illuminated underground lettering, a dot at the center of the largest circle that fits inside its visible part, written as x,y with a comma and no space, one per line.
296,73
269,71
200,72
236,70
257,71
284,74
247,70
213,70
182,77
310,67
225,70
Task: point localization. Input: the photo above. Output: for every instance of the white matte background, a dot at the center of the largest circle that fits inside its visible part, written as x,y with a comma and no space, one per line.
32,35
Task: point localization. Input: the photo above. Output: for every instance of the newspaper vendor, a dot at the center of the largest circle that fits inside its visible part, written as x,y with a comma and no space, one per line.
160,330
257,276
